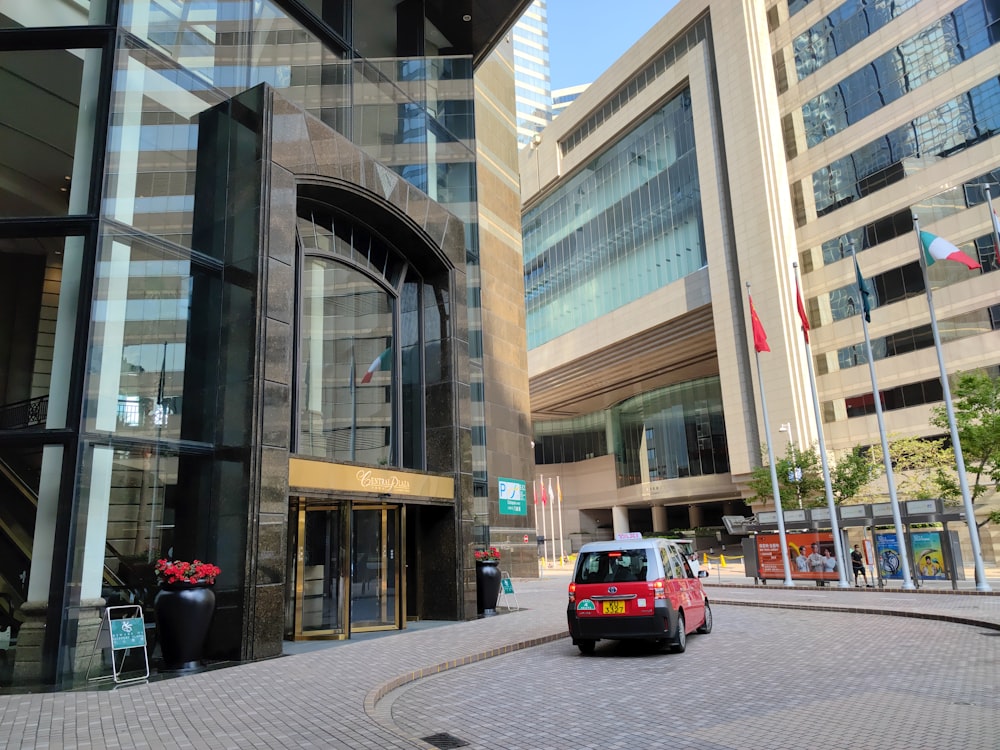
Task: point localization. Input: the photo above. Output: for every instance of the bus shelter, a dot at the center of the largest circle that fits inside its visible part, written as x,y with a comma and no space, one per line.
934,554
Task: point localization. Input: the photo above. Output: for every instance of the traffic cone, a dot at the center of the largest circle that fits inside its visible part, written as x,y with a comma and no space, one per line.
704,559
722,561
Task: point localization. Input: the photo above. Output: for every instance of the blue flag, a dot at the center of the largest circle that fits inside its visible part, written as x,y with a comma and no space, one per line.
865,291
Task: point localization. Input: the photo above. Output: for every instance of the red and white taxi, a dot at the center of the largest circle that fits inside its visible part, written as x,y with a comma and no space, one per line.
636,589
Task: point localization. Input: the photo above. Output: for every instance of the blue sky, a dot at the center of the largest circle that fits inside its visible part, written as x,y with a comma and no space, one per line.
585,38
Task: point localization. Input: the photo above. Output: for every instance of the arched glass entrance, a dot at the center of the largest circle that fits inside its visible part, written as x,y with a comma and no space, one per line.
347,362
359,401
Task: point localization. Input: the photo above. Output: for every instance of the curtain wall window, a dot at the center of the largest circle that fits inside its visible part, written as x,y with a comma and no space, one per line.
347,364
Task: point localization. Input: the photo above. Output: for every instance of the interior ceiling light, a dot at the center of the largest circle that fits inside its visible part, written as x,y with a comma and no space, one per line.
466,18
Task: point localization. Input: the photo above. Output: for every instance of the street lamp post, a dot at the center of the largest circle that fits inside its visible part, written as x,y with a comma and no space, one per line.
787,427
795,473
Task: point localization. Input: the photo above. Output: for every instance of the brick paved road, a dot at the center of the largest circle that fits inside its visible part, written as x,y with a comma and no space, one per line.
340,697
765,678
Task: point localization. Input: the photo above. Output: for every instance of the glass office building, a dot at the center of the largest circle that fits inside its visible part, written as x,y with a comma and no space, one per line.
530,37
725,151
241,255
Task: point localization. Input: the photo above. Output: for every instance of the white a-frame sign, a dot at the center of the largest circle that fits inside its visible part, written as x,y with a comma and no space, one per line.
122,629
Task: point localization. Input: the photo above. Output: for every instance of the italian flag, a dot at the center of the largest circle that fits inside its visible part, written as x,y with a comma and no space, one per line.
382,363
938,248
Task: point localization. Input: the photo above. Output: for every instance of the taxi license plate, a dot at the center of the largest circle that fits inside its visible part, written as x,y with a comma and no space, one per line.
613,608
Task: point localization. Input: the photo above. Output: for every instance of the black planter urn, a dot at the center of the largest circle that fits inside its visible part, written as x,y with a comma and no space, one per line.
183,615
487,586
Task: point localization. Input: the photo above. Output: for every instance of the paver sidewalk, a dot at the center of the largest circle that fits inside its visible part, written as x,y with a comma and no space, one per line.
328,698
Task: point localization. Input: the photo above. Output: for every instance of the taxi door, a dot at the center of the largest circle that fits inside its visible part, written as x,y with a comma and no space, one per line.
689,589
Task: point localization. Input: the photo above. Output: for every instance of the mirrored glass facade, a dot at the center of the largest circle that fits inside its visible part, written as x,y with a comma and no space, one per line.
671,433
627,224
847,25
948,129
953,39
667,433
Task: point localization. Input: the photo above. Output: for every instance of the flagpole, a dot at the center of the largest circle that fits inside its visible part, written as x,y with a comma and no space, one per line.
886,459
562,551
534,495
552,520
838,543
994,225
782,538
161,418
956,444
545,542
354,403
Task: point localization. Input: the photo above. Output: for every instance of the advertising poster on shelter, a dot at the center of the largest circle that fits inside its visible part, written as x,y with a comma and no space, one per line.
811,556
928,554
887,552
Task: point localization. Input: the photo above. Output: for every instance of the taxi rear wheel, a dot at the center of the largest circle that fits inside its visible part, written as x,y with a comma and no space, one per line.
706,627
680,642
586,646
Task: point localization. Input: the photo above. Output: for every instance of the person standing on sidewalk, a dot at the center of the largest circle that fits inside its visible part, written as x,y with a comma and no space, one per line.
858,563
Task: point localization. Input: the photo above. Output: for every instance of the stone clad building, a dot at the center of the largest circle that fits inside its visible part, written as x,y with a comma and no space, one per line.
263,309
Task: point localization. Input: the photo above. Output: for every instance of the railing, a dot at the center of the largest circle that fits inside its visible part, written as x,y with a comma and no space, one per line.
23,414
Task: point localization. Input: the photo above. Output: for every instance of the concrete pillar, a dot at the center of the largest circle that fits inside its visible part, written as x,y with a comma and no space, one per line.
659,519
619,519
694,516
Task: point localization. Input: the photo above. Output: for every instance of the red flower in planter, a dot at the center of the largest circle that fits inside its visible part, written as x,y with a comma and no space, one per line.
181,571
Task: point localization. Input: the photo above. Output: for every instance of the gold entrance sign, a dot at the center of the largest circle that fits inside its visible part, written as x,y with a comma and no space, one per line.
304,474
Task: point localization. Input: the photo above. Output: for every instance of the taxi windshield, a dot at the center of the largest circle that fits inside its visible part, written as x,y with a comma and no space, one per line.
617,566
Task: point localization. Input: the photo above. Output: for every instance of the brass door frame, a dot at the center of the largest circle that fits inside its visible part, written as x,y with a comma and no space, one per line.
344,632
304,504
399,570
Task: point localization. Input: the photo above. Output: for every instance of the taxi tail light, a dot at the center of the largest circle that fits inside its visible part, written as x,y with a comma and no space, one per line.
659,587
572,593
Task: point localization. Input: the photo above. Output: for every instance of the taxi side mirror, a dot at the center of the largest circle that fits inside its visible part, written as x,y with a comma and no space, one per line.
702,573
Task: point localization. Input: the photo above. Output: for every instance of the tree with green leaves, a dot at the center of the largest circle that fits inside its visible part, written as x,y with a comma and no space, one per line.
923,468
803,489
976,404
852,473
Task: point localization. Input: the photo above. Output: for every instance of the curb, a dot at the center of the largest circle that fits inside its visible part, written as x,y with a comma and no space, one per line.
376,694
862,611
854,589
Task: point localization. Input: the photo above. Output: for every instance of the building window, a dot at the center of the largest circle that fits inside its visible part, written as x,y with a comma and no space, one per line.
44,156
951,40
948,129
849,24
347,363
673,432
625,226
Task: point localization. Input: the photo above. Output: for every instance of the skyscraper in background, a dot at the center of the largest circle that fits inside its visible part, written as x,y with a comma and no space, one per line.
646,210
531,72
562,98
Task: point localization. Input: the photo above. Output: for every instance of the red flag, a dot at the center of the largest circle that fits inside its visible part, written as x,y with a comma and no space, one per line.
543,492
802,312
759,337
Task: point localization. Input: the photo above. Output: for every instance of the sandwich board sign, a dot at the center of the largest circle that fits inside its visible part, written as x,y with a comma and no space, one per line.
122,629
507,589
